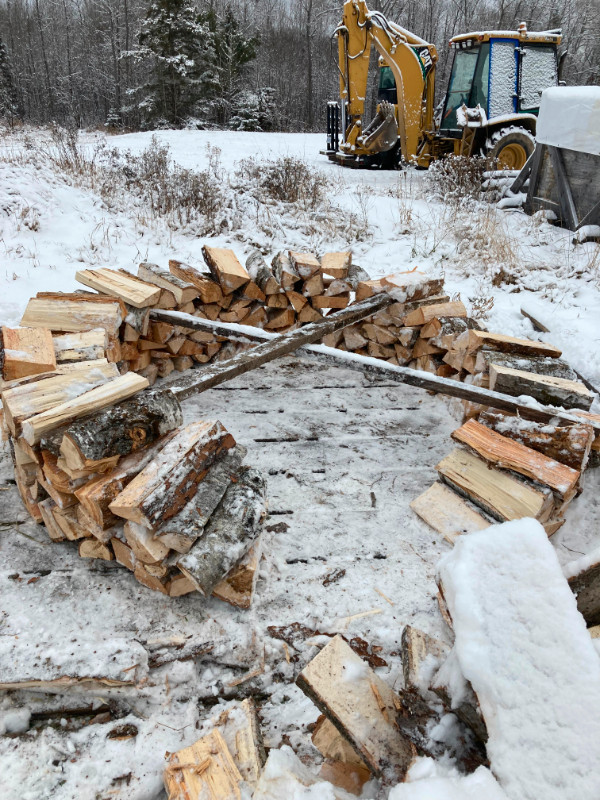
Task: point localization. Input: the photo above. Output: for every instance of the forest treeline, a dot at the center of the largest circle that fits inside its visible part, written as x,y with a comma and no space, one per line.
242,64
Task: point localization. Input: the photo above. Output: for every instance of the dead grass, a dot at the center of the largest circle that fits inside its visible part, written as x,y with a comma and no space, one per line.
456,180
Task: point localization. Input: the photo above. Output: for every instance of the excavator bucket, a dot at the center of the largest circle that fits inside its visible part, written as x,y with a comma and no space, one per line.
381,134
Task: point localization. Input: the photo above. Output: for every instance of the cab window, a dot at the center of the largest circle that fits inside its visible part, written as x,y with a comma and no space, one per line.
461,82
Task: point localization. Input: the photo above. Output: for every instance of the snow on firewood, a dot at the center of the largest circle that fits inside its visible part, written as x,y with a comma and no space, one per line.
524,647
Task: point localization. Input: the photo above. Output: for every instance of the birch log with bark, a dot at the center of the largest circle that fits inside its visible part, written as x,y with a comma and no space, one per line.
122,429
232,529
180,532
165,486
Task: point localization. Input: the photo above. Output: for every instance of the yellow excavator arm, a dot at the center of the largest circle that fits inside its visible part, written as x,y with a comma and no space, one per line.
412,62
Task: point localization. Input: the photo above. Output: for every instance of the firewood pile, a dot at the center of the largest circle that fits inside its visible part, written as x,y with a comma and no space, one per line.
366,729
105,464
506,467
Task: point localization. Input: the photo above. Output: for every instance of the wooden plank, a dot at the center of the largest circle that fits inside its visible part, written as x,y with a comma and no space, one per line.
472,340
361,706
132,291
25,351
447,513
505,453
330,355
226,268
204,770
568,208
545,388
182,292
94,400
229,534
165,485
73,313
498,493
81,346
26,400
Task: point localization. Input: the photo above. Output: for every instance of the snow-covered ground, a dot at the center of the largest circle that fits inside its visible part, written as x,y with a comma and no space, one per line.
345,456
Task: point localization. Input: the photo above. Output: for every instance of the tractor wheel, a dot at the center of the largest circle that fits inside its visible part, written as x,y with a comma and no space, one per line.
509,148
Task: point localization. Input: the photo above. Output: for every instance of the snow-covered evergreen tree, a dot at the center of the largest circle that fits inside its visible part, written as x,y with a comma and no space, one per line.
233,49
180,49
9,107
254,110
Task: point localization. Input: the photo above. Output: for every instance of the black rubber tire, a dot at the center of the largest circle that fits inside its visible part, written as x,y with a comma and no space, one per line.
517,143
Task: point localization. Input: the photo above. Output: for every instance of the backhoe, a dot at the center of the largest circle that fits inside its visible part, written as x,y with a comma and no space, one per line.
490,106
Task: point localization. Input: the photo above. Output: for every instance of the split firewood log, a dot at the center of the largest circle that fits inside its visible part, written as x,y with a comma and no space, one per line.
232,529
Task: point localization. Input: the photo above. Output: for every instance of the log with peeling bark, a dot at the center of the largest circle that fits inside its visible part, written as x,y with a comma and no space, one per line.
451,388
284,271
544,388
25,351
569,445
261,274
231,531
164,487
97,494
88,402
181,291
118,284
181,531
121,429
505,453
542,365
360,705
74,312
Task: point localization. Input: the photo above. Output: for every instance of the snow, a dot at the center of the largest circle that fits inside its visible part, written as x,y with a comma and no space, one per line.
345,454
422,785
579,565
570,118
285,776
525,649
503,74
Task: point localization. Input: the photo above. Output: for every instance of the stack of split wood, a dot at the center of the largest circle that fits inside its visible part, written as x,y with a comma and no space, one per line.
103,463
419,337
506,467
295,289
